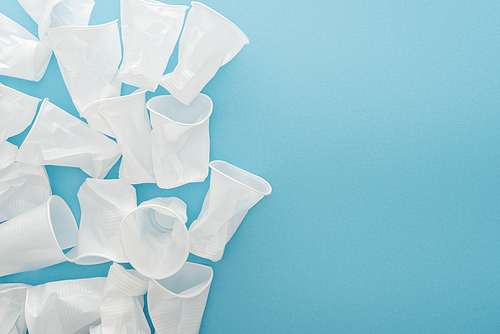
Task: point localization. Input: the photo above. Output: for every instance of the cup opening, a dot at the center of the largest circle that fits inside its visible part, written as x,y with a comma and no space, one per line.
63,223
190,281
194,113
249,180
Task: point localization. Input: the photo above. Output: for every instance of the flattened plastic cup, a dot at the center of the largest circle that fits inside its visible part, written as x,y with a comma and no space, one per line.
16,111
22,55
58,138
22,188
208,41
36,239
176,304
233,191
103,203
126,119
12,304
88,57
8,154
62,307
155,238
180,139
150,30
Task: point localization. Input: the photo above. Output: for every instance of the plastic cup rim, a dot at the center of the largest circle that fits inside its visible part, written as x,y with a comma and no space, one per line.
66,207
153,206
161,4
15,91
181,123
231,24
114,98
92,27
35,123
190,295
213,166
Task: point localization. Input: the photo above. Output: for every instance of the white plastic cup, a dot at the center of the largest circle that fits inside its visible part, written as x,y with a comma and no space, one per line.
16,111
176,304
208,41
103,204
180,139
22,188
88,57
126,119
12,308
154,237
64,307
36,239
150,30
233,191
22,55
59,138
123,302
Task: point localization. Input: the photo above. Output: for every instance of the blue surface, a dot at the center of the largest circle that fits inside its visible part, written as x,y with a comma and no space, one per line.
377,125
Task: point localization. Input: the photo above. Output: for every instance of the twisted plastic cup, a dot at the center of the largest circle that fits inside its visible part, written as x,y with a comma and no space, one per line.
12,308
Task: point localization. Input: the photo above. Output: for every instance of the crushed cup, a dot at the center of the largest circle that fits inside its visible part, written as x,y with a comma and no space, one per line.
103,204
208,41
176,304
63,307
22,55
88,57
155,238
150,30
126,119
36,239
123,302
12,308
58,138
22,188
233,191
180,139
17,111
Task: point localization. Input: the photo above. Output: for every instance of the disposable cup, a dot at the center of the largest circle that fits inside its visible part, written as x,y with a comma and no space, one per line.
208,41
155,238
36,239
233,191
180,139
176,304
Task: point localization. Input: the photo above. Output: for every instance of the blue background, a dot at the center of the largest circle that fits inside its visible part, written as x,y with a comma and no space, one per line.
377,125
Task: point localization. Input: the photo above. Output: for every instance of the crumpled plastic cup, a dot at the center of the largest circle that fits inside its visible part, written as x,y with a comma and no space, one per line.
155,238
150,30
180,140
16,111
208,41
233,191
103,203
176,304
12,308
8,154
126,119
58,138
22,55
64,307
123,303
22,188
88,57
36,239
